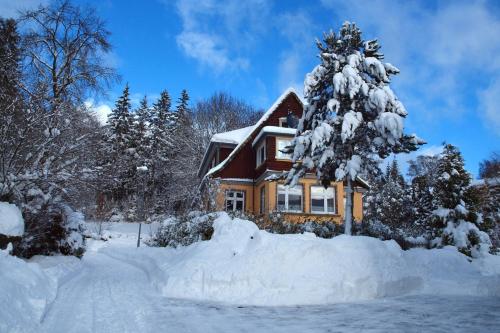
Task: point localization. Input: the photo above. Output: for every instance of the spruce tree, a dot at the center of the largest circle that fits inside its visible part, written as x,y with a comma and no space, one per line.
351,113
121,145
454,222
120,121
142,134
423,171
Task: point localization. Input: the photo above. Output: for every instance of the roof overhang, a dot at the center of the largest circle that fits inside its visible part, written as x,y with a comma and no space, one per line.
274,130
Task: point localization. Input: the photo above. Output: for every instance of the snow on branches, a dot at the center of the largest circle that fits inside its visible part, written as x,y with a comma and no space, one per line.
351,114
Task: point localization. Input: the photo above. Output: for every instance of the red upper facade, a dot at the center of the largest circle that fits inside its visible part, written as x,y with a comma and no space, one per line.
227,158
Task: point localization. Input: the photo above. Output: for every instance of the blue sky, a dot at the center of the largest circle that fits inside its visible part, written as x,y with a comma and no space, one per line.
448,53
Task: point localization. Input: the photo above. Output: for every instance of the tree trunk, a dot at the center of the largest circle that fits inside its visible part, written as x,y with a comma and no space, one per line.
348,207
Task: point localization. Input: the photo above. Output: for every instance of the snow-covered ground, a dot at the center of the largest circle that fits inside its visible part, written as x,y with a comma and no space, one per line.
377,288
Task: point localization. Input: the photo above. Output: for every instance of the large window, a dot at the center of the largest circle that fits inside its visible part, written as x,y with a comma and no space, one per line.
280,145
262,199
290,198
261,153
235,201
322,200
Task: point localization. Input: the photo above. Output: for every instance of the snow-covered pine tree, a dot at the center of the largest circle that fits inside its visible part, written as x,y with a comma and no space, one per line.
389,212
422,171
394,207
351,113
163,123
142,121
121,145
453,221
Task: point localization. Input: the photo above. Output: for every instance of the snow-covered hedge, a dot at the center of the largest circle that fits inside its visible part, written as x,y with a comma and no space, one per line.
242,264
184,230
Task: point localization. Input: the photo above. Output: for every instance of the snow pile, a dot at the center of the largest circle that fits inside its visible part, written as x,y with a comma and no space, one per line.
244,265
11,220
25,292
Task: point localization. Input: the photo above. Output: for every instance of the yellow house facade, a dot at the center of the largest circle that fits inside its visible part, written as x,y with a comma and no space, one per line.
242,163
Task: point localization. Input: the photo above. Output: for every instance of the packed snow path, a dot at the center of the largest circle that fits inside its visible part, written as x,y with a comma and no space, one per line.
107,294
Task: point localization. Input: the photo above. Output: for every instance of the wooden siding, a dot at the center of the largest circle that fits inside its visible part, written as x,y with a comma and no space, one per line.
243,164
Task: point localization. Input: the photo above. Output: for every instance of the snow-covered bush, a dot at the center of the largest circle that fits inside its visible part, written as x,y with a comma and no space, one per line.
326,229
11,224
184,230
54,229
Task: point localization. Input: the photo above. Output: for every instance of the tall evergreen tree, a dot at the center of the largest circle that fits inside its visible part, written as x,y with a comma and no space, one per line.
142,121
423,171
120,121
121,156
454,222
351,113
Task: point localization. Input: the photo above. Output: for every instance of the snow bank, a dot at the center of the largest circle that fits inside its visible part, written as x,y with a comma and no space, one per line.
244,265
25,292
11,220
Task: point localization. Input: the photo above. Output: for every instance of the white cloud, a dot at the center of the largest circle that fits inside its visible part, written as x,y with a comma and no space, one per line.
209,51
297,28
11,8
100,110
218,33
489,106
440,49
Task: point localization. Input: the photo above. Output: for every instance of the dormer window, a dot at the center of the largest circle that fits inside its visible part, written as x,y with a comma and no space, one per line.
261,153
283,122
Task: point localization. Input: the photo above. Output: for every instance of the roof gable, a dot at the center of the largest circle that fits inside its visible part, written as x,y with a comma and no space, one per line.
257,127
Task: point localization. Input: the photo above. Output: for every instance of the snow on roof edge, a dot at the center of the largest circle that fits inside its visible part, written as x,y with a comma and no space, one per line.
274,130
266,115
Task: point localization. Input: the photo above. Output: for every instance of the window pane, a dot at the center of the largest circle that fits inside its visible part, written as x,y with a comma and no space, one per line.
320,195
294,202
281,145
317,205
281,201
330,205
239,194
229,205
239,205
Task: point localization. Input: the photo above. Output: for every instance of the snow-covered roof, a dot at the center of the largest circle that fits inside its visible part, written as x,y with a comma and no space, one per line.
232,137
274,130
265,117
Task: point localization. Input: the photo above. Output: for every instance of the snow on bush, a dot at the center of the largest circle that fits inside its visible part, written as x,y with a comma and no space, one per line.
184,230
244,265
11,220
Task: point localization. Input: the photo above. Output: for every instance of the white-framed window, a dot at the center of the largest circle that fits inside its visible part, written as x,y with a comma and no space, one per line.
283,122
262,199
290,198
235,201
281,143
261,153
322,200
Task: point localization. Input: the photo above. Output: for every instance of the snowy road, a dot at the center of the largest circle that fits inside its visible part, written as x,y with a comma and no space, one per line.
106,294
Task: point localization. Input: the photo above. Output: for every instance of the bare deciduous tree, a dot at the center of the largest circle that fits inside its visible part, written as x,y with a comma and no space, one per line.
65,46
